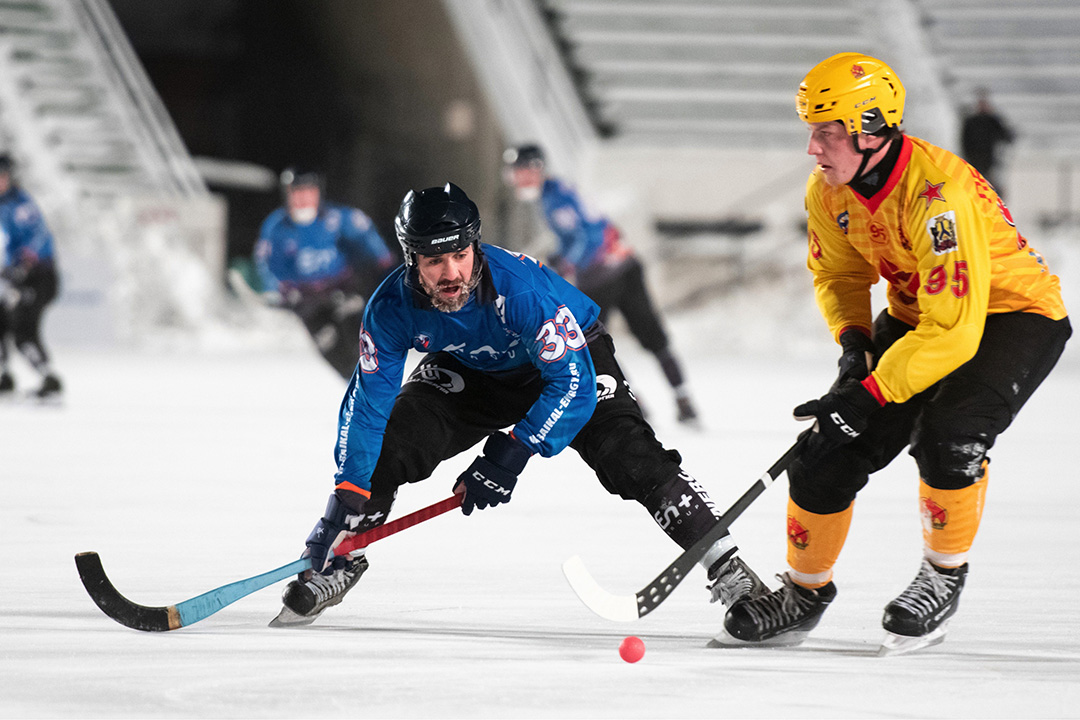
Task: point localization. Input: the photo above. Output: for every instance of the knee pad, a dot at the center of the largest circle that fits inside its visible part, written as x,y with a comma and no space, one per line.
828,485
626,456
949,461
412,445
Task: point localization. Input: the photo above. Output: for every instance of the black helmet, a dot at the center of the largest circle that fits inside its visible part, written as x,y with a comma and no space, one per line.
300,176
523,156
7,164
435,221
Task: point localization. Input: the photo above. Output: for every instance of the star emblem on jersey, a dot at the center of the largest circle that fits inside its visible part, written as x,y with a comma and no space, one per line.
932,193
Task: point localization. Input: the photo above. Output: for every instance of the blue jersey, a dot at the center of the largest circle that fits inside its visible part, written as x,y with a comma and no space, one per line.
522,314
27,240
585,240
319,253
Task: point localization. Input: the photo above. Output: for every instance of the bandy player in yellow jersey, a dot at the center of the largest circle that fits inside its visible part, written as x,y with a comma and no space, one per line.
974,323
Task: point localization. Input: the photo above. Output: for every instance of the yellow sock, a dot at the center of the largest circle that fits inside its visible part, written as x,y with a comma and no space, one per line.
814,543
950,520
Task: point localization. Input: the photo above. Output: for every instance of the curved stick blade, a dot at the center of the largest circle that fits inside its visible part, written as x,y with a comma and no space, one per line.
118,607
620,608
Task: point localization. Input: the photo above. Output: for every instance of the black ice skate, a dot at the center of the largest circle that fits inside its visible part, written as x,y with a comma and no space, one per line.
782,618
919,617
50,390
7,385
734,582
304,601
687,415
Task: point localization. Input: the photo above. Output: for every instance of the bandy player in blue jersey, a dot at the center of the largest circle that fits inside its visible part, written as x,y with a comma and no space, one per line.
28,269
591,254
319,258
507,343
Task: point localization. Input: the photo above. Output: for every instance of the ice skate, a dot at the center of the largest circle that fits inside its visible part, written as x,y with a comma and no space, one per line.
304,600
782,618
734,582
50,391
686,414
7,386
919,617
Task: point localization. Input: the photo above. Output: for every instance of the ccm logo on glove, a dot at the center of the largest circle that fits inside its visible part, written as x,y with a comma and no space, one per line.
491,477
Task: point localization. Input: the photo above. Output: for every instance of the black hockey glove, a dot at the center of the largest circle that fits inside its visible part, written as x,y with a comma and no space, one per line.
492,477
841,415
335,525
857,358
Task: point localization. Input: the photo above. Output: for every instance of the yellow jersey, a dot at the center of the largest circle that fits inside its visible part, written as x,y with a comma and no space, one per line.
948,247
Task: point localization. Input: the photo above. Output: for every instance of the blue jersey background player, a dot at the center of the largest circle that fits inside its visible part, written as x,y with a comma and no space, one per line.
592,255
29,269
320,259
506,343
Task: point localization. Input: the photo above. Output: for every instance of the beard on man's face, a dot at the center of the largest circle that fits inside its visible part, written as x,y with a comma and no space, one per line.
455,303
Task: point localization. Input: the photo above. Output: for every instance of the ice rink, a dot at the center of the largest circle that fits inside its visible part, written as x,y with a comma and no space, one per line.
190,465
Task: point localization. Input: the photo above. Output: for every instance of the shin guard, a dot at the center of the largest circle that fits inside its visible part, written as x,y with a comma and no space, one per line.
814,543
684,511
950,519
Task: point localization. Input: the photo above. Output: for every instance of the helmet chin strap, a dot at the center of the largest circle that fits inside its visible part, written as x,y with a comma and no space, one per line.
868,152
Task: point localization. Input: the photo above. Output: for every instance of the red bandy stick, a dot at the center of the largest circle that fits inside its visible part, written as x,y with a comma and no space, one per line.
406,521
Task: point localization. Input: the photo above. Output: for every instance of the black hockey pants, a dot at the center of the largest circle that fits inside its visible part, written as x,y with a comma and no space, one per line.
626,292
21,321
950,426
445,408
332,318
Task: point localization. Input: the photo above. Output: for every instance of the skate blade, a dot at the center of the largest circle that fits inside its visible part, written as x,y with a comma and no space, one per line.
287,619
894,644
790,639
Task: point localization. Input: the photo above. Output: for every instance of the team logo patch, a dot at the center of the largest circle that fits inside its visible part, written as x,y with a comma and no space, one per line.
333,221
934,516
446,381
797,535
857,71
942,229
932,193
842,221
606,386
878,234
422,341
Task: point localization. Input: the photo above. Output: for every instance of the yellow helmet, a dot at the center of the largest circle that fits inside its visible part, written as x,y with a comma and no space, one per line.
858,90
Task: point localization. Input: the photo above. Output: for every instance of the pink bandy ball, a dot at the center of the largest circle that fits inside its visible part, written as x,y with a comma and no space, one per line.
632,649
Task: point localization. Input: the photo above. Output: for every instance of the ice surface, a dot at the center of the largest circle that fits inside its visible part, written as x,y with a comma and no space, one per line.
188,469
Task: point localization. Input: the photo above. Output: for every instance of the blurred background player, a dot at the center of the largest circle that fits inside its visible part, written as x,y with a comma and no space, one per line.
592,256
32,283
506,342
974,323
982,134
320,260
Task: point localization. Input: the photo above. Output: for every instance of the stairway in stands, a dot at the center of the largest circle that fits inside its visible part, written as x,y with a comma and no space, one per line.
140,239
76,107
